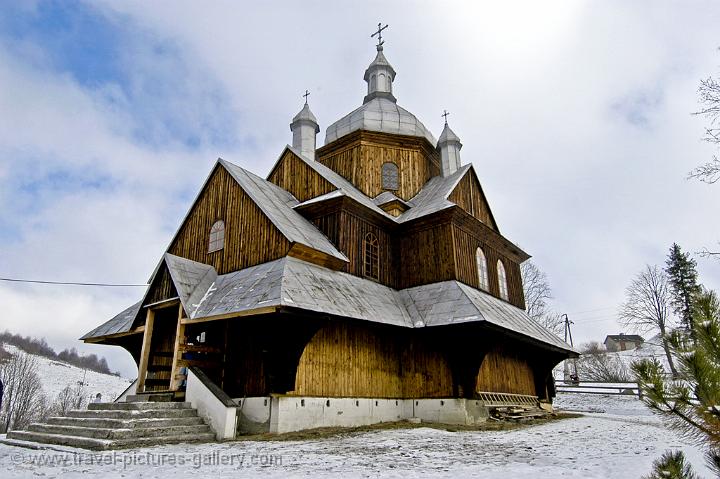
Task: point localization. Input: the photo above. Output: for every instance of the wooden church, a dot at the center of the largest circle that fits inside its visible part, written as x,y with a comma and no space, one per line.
369,268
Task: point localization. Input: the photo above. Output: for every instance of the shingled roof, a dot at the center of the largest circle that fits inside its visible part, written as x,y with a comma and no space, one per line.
290,282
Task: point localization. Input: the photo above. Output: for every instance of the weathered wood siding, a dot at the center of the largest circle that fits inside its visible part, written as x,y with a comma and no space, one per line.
503,371
359,158
352,239
427,256
295,176
250,237
344,359
466,244
469,196
162,287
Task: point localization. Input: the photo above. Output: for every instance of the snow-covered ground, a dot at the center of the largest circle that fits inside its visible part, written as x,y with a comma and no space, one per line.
56,375
622,442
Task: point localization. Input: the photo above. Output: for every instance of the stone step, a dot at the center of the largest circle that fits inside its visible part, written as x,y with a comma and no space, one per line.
103,444
150,397
132,423
124,414
115,434
137,406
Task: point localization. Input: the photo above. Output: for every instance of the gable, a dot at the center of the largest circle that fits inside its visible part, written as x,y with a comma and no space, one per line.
298,178
250,237
469,196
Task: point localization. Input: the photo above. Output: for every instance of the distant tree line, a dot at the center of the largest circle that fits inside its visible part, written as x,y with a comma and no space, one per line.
40,347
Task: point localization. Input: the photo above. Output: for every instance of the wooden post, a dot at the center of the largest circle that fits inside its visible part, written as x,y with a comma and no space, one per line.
179,340
145,354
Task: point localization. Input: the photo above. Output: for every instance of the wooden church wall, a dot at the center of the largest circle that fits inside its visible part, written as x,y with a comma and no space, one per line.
504,371
352,241
295,176
468,195
427,256
345,359
466,244
250,237
359,157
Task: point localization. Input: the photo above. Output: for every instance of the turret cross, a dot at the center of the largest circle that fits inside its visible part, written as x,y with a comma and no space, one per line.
307,94
445,114
379,34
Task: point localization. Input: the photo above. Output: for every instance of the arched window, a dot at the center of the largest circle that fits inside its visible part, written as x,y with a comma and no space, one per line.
372,256
373,83
217,236
381,82
390,176
482,269
502,280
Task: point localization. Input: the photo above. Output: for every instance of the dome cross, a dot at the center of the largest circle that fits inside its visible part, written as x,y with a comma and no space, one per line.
379,35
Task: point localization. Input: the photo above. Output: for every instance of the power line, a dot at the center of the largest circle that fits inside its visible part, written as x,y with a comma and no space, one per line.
592,310
71,283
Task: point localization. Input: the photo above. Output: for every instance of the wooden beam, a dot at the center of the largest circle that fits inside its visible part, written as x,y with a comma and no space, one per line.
179,339
165,303
145,354
99,339
250,312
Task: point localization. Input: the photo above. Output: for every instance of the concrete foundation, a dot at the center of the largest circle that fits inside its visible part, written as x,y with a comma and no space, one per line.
291,413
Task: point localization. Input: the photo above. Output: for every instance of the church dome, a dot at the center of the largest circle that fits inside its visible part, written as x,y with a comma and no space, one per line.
379,114
380,111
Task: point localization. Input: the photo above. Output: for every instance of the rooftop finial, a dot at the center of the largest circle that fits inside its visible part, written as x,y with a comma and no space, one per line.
307,94
445,114
379,35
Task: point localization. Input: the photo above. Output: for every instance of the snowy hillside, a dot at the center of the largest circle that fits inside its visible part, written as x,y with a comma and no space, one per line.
56,375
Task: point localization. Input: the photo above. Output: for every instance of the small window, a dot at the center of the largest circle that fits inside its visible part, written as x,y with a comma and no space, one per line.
372,256
482,269
373,83
502,280
390,176
217,236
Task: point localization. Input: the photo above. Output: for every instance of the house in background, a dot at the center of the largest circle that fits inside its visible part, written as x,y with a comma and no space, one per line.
622,342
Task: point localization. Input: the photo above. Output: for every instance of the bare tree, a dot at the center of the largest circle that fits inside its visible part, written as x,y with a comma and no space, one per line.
709,91
68,399
536,288
647,306
602,367
23,400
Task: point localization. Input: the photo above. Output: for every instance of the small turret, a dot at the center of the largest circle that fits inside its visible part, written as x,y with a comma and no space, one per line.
379,77
449,146
304,128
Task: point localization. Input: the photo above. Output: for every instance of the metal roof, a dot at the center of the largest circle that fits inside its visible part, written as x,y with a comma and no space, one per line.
295,283
192,279
121,323
433,196
379,114
277,204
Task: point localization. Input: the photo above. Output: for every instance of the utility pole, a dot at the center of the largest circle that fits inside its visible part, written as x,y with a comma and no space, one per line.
569,377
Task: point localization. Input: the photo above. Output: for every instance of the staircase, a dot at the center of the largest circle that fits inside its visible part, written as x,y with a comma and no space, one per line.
121,425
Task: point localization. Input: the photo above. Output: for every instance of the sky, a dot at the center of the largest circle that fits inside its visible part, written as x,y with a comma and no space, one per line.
577,115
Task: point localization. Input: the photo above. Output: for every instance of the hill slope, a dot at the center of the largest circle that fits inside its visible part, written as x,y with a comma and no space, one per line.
56,375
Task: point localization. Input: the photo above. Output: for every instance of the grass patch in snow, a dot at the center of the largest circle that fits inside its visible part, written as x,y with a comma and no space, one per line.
330,432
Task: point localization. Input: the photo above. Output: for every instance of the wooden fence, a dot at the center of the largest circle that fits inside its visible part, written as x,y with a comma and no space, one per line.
624,389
